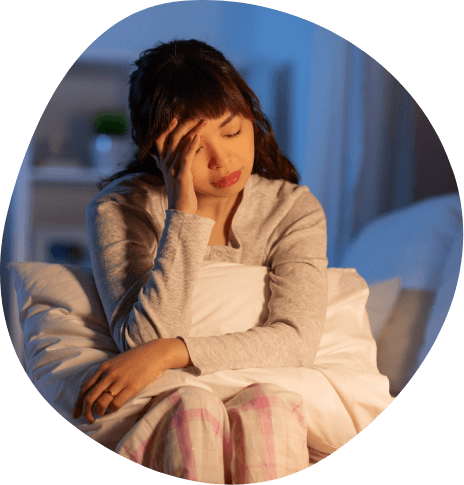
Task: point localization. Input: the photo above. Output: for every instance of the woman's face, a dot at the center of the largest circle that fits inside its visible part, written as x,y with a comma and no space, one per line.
224,161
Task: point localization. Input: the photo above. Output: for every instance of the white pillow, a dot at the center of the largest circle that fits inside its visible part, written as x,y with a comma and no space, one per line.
65,333
347,337
214,312
412,243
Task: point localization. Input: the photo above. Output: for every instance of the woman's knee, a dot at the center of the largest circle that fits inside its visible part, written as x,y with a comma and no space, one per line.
266,389
269,399
196,398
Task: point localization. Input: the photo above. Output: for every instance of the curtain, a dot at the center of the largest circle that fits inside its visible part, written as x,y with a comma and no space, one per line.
359,158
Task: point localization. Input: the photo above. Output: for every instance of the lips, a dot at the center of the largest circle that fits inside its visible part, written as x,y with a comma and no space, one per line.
231,179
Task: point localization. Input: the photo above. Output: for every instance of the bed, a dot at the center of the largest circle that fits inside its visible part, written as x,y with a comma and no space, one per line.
420,248
381,321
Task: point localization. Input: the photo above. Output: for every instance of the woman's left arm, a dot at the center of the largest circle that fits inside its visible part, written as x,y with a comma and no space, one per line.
297,255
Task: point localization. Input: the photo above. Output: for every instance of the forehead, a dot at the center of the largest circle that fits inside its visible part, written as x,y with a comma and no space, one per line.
221,120
227,117
211,109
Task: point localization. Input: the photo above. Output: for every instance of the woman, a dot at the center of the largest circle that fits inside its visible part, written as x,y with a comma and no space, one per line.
208,183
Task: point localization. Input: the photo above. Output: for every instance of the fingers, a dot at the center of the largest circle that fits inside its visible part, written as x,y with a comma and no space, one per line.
92,396
161,140
80,400
122,398
93,390
117,380
99,401
189,154
177,138
106,398
186,149
186,130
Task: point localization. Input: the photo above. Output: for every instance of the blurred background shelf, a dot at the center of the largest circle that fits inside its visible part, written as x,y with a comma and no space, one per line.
70,152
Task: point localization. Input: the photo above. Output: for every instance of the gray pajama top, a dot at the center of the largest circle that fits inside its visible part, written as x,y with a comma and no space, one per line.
146,259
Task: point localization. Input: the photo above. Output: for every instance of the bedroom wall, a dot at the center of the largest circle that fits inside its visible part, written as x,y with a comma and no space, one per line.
433,172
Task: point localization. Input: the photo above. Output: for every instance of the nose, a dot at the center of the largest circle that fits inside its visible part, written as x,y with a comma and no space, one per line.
219,159
216,164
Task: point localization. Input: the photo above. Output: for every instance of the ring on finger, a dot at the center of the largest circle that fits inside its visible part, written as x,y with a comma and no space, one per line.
110,393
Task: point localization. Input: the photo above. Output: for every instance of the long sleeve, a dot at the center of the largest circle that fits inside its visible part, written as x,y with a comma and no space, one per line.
295,250
146,260
144,297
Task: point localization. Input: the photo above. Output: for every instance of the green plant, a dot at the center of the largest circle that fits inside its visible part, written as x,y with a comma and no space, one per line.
110,122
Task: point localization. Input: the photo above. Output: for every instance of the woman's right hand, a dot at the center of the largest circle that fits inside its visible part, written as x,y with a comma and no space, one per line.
176,148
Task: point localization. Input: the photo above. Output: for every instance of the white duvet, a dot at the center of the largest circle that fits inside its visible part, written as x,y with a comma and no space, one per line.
67,338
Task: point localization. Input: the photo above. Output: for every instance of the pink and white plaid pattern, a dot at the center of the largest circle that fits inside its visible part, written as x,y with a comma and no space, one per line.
258,435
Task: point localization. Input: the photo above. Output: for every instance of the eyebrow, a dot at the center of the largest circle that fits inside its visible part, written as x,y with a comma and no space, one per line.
228,120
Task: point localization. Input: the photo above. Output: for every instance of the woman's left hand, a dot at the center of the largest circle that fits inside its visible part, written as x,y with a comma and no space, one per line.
122,377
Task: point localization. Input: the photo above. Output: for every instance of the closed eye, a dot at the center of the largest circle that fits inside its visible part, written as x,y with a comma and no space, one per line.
234,135
226,136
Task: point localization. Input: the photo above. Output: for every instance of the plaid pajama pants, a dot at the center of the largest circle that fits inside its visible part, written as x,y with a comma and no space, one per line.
258,435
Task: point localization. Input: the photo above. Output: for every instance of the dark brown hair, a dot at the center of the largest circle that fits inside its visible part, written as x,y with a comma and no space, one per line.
190,79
